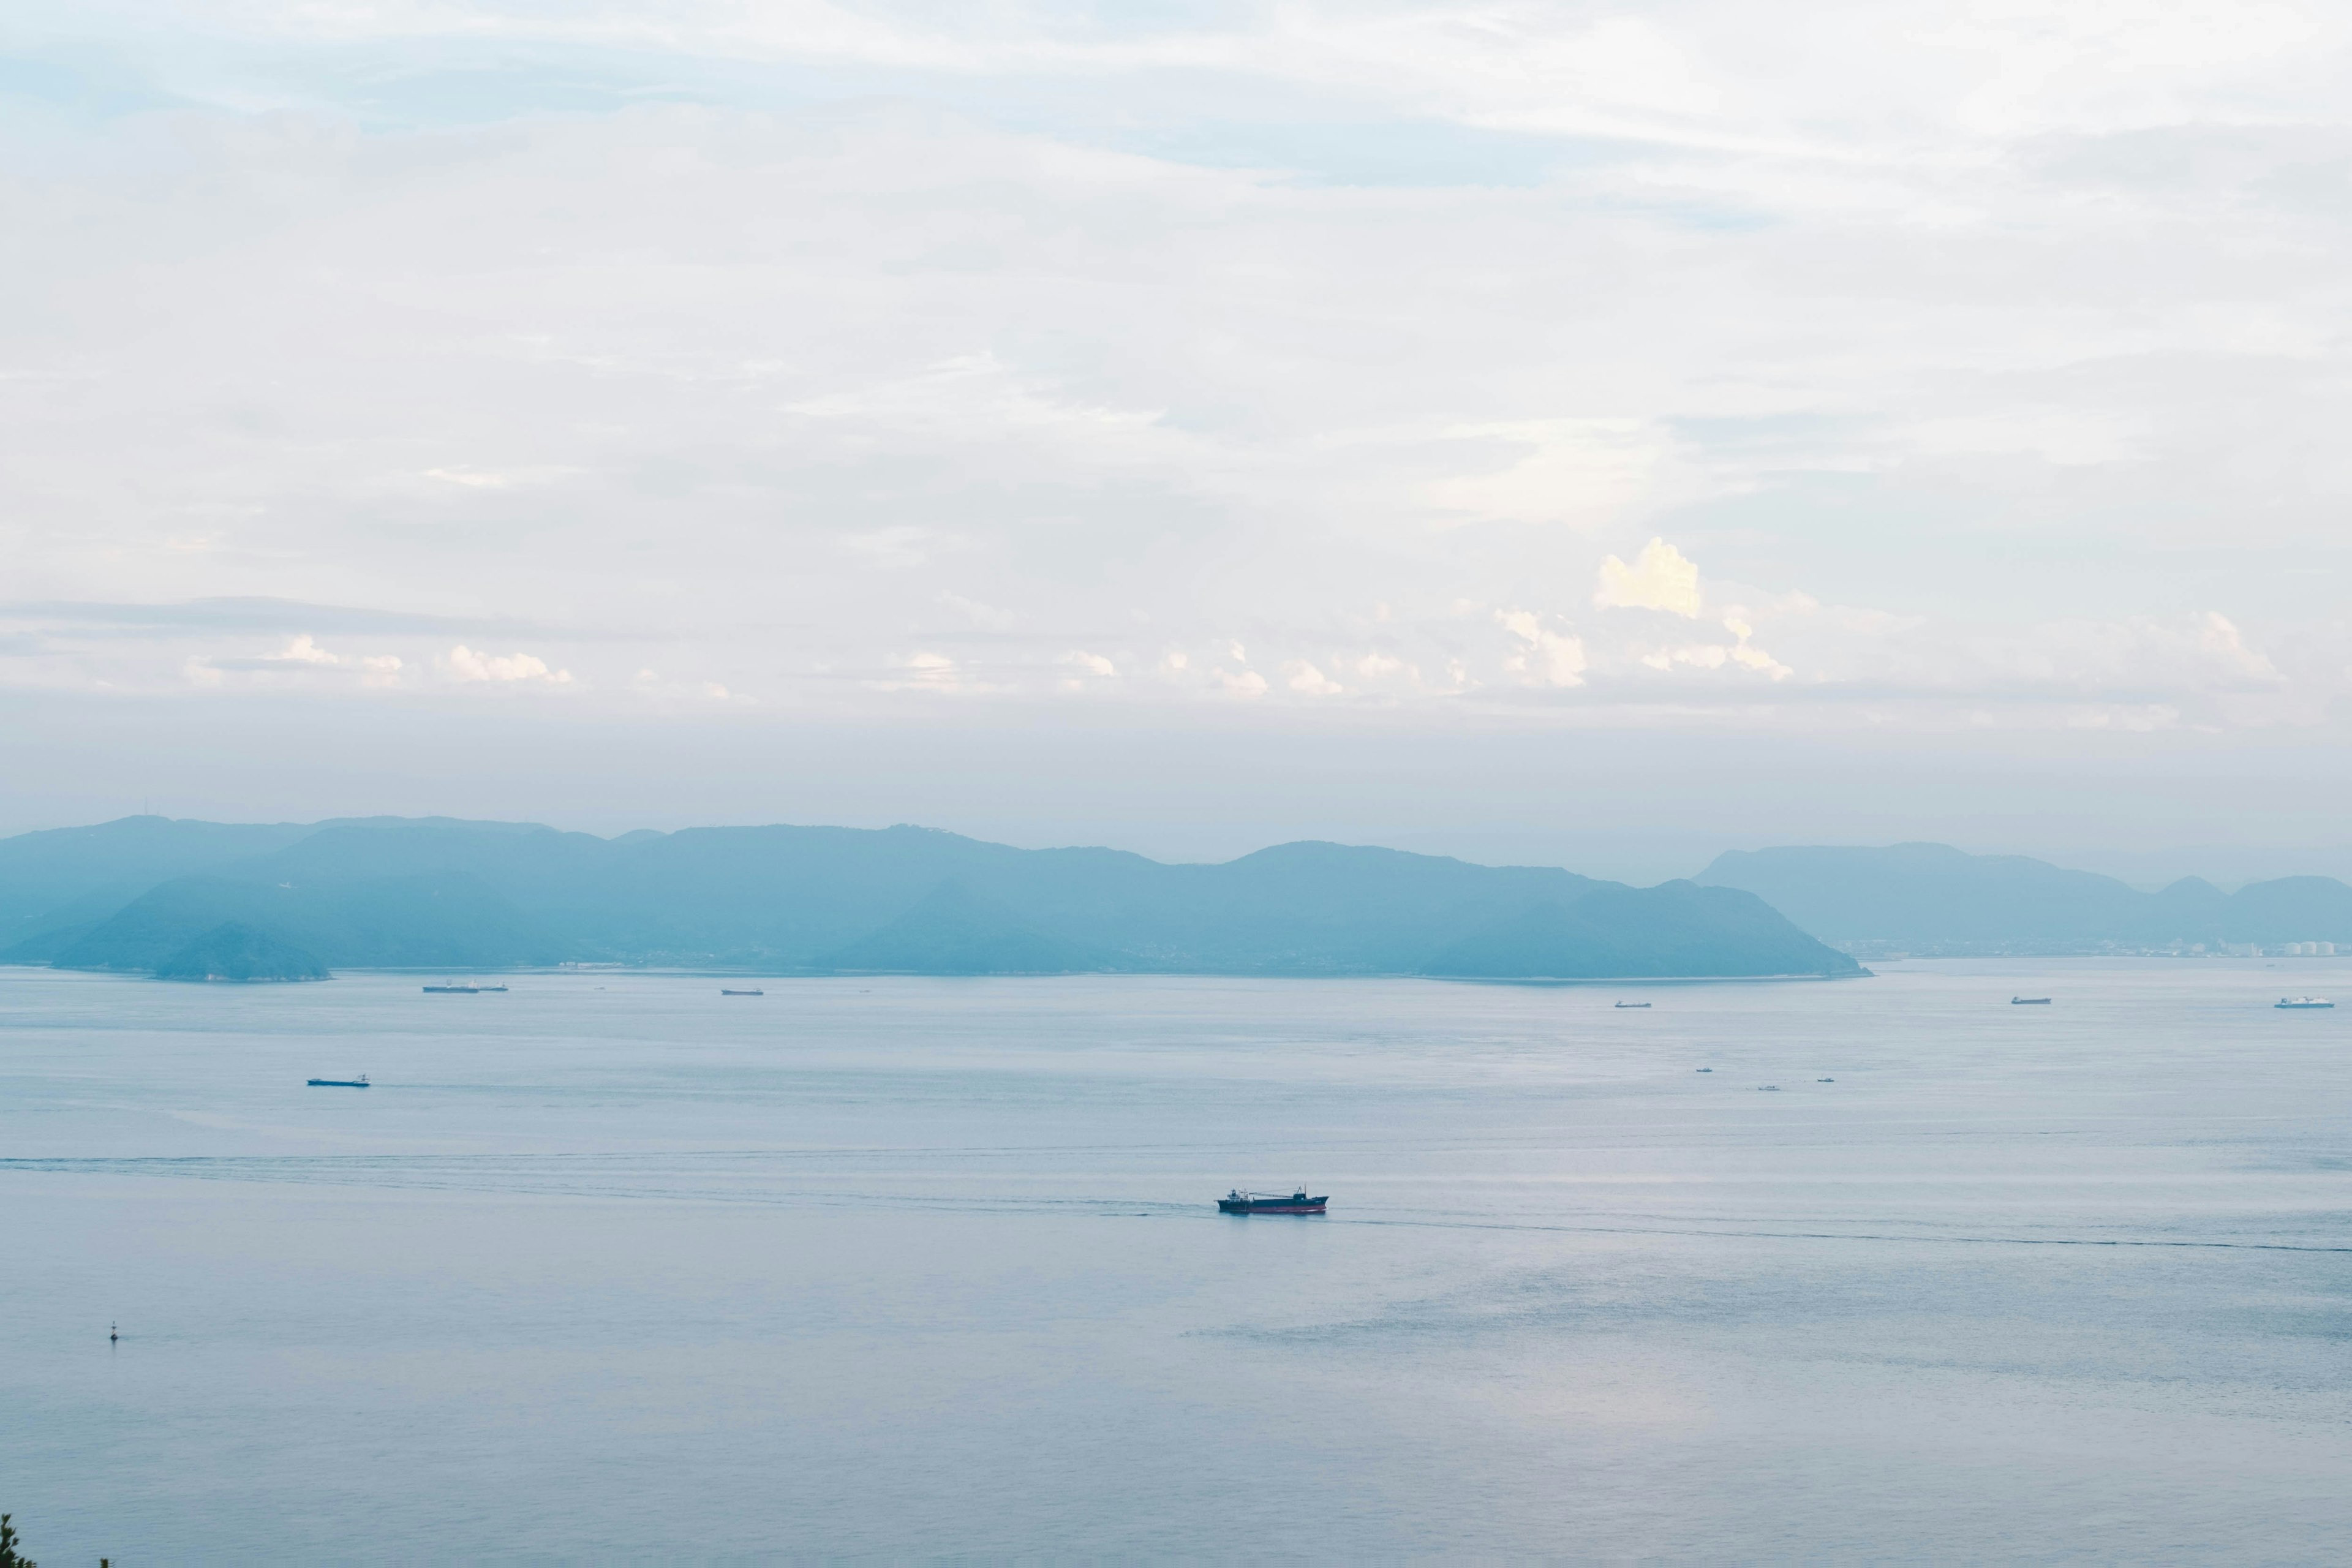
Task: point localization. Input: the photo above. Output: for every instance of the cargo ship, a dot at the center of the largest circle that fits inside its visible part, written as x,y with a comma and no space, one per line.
2303,1002
1240,1202
724,991
2029,1001
359,1082
1633,1004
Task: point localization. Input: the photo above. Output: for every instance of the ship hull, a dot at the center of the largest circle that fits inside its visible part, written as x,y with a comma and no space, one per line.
1270,1205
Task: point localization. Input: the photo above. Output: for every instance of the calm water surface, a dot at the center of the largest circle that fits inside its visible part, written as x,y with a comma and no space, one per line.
612,1268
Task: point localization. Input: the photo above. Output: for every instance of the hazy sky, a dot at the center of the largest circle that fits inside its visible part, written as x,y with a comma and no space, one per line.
1551,431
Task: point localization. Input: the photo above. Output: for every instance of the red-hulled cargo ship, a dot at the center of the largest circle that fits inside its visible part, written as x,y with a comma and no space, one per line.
1240,1202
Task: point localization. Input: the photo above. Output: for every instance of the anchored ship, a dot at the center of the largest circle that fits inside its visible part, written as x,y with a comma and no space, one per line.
1240,1202
359,1082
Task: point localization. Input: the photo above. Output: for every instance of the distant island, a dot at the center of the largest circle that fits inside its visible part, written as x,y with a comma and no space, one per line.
1931,898
226,902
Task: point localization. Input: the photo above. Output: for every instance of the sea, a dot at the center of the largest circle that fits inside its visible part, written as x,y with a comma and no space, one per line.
610,1268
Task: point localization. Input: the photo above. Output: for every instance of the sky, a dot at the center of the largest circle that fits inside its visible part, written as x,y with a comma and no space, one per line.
1599,436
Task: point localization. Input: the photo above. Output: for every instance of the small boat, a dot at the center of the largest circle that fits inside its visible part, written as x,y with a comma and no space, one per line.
1240,1202
451,988
1707,1069
359,1082
2303,1002
1825,1080
724,991
1767,1089
1633,1004
2029,1001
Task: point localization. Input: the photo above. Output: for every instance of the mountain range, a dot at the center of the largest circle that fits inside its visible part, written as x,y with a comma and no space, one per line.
1931,897
288,901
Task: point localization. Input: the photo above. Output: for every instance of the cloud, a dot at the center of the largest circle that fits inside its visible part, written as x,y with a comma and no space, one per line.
1661,578
2222,642
1583,473
1541,657
1149,367
305,650
1089,667
243,613
1739,654
303,655
1753,657
1307,679
928,671
984,615
464,665
978,397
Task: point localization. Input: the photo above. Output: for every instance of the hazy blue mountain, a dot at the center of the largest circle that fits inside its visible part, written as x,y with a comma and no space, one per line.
1675,929
438,921
239,952
55,881
2289,909
442,894
1932,898
953,930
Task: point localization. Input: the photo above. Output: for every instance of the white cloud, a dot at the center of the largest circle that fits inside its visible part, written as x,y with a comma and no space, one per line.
303,659
853,379
464,665
1753,657
979,397
1304,678
1584,473
1541,657
305,650
1737,653
2218,639
929,670
1092,663
1661,578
